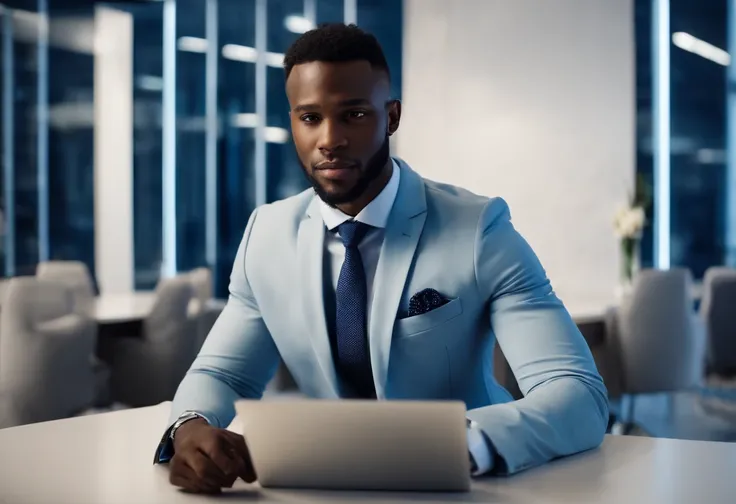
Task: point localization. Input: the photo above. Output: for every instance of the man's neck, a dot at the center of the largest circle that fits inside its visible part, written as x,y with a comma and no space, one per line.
372,191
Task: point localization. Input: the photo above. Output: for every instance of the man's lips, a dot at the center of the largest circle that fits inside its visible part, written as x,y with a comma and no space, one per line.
334,165
335,170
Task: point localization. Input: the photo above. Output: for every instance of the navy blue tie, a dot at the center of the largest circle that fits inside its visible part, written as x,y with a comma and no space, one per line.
353,357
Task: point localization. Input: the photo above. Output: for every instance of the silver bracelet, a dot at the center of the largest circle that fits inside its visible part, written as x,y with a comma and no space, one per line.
183,418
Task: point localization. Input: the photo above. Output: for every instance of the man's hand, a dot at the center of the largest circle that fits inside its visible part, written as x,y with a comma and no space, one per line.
207,459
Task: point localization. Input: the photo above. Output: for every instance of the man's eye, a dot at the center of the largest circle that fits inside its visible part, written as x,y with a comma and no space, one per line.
357,114
309,118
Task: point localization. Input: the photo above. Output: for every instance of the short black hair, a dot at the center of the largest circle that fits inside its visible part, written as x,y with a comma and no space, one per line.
335,43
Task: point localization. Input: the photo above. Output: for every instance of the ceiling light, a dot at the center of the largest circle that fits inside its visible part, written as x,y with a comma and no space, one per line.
298,24
702,48
192,44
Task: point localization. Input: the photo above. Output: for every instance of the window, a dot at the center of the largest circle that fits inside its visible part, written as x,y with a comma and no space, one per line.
284,176
236,102
6,112
147,142
71,137
191,134
28,138
210,126
698,190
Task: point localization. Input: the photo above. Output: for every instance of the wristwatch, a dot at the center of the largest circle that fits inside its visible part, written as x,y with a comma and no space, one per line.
183,418
473,463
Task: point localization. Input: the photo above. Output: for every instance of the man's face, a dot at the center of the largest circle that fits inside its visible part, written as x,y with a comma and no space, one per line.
341,118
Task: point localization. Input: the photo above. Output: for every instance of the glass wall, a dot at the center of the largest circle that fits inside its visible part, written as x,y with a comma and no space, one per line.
236,141
698,155
27,138
47,141
385,19
5,117
191,77
148,85
71,135
210,137
284,175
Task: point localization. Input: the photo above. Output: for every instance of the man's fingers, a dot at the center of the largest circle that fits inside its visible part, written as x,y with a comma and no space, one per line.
183,476
220,452
206,470
240,449
227,468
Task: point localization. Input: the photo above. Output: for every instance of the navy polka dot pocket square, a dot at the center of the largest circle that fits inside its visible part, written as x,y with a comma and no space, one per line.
425,301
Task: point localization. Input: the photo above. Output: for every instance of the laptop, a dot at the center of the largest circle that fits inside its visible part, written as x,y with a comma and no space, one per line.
357,444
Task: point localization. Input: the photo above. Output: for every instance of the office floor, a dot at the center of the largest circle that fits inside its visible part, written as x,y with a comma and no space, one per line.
706,414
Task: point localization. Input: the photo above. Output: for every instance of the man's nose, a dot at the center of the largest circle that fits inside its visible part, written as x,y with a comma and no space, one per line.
332,138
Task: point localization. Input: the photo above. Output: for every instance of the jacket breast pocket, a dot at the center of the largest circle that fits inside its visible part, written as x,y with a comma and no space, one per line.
417,324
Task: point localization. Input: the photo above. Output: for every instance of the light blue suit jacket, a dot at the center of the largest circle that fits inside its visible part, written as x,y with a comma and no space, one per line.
438,237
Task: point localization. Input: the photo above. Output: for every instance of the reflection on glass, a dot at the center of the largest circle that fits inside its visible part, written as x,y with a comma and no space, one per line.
190,134
283,174
147,142
224,140
698,133
384,19
698,189
236,141
25,127
330,11
71,136
5,112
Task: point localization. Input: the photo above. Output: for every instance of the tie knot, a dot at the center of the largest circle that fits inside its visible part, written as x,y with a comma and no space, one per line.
352,232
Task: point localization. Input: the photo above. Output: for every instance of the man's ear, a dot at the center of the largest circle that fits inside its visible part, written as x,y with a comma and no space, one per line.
394,116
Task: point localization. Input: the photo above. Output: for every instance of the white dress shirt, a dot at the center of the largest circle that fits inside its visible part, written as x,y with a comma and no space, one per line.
375,214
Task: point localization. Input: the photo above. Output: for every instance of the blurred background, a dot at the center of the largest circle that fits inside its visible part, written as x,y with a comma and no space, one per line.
137,137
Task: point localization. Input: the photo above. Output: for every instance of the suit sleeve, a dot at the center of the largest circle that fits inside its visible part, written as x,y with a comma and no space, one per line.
565,407
238,358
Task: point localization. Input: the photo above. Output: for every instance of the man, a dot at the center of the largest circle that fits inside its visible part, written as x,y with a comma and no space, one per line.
380,284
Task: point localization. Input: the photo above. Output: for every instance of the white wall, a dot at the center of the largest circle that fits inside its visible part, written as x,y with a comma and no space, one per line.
113,150
531,100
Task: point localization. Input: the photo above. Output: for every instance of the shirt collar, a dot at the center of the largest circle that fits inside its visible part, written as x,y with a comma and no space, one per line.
375,214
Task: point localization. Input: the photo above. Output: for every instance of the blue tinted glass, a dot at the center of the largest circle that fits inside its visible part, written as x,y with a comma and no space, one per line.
71,138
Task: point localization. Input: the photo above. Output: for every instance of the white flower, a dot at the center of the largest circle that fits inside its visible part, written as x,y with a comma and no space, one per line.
629,222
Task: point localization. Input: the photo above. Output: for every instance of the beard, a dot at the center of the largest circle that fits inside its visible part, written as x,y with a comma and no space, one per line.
371,172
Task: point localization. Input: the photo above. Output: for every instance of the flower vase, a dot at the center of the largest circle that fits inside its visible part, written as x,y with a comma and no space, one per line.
630,265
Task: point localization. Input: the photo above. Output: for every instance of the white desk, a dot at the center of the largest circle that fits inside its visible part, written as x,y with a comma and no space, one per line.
134,306
128,307
107,459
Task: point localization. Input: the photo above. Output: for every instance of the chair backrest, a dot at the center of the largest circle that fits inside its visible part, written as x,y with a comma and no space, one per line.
201,279
45,352
30,301
73,274
660,344
205,312
3,289
718,309
169,314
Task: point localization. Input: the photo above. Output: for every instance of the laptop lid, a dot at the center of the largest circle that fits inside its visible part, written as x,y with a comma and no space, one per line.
357,445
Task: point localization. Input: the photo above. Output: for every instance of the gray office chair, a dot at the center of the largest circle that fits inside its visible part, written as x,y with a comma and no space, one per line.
46,349
660,339
76,277
73,274
718,309
147,367
206,310
201,279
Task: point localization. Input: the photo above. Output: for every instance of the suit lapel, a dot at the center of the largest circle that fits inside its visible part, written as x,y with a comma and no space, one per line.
310,250
403,229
